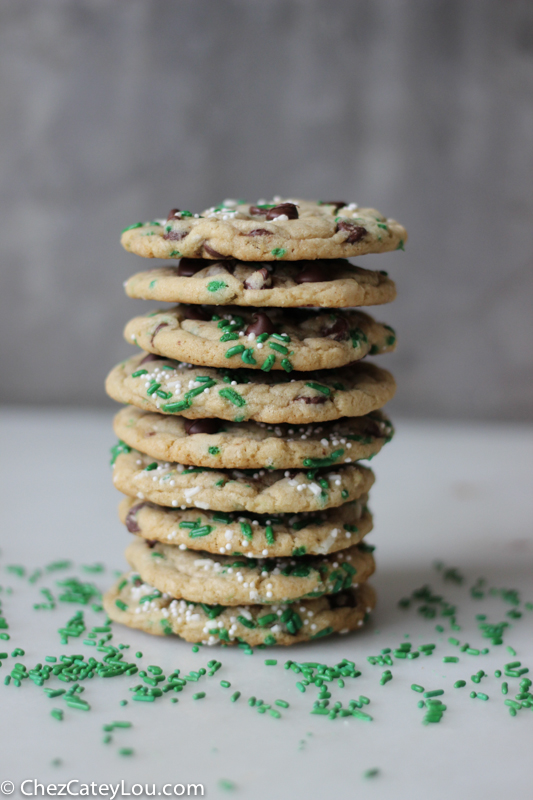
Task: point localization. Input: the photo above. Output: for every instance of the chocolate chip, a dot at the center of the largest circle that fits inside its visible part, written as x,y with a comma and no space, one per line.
314,272
337,203
151,542
212,252
175,236
259,232
190,266
174,213
314,401
261,323
193,426
260,279
131,521
342,600
289,209
151,357
154,334
338,329
355,232
195,312
257,211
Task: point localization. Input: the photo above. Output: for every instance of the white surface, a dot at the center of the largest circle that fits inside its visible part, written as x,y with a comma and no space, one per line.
452,493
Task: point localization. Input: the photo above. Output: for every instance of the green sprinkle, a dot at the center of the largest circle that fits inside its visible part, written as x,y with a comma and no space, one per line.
319,388
139,372
132,227
323,462
120,604
278,252
278,347
225,684
268,363
126,751
234,351
204,530
225,519
57,713
117,449
385,677
174,408
248,623
371,773
271,662
233,397
511,650
281,703
459,684
454,641
300,686
434,693
416,687
248,357
269,534
235,696
505,687
213,451
215,286
226,785
286,364
246,531
266,619
450,659
77,702
151,467
323,632
198,696
482,696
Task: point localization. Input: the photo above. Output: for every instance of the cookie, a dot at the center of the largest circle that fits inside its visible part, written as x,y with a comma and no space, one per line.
155,384
289,230
138,605
333,283
255,536
252,445
295,339
236,580
257,491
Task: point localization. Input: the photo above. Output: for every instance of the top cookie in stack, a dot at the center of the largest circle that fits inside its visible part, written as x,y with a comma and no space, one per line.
260,414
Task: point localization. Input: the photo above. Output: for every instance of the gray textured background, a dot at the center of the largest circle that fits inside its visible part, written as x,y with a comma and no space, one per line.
112,112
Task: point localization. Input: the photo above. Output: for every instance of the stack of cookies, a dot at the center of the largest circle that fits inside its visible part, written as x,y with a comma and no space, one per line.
248,412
